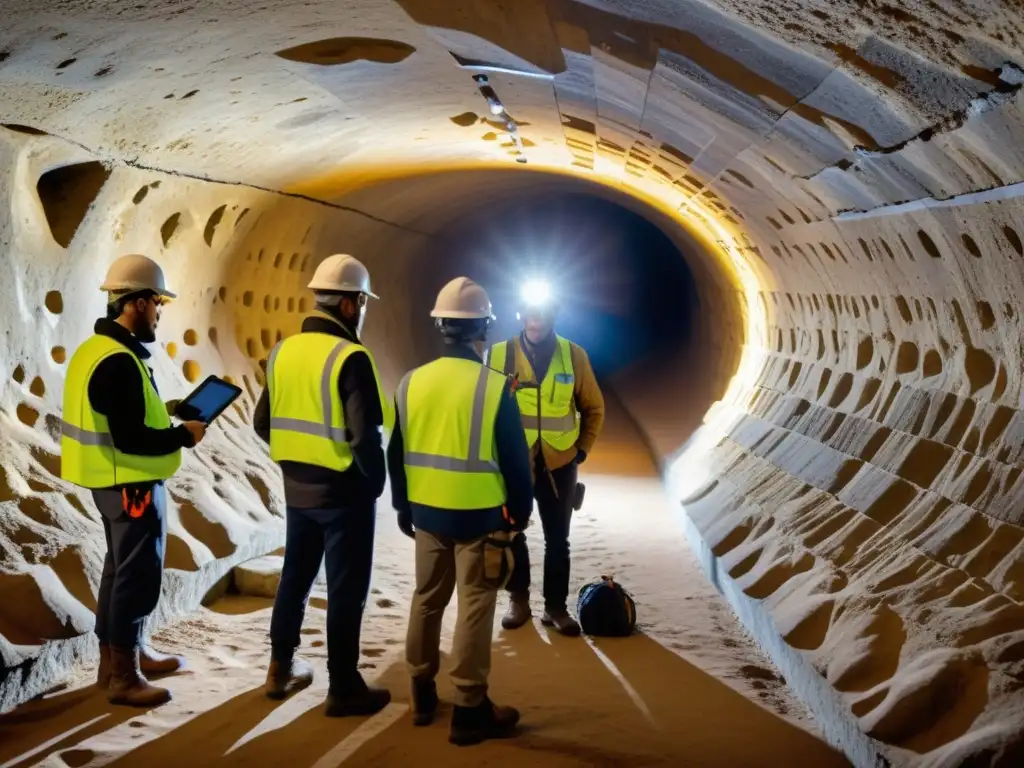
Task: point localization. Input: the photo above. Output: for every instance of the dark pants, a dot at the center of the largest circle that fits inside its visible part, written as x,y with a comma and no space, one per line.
555,516
345,537
134,565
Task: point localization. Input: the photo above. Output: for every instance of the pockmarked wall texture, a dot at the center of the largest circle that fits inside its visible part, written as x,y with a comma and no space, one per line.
851,174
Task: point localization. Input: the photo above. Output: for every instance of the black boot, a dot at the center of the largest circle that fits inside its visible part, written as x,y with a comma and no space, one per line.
471,725
360,703
424,702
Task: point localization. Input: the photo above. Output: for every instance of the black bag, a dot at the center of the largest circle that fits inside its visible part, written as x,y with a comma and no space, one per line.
605,609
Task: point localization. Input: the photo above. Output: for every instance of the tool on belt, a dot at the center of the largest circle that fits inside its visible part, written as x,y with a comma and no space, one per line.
134,501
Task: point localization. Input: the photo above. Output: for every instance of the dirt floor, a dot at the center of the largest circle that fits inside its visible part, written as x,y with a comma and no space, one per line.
690,690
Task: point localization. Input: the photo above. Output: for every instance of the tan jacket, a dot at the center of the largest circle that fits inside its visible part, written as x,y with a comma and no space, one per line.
589,402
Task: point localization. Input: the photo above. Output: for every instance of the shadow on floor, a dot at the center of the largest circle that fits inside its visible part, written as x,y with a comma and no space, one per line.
57,723
622,702
203,739
629,702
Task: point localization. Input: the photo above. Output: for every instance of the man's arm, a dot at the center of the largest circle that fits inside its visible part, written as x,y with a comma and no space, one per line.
261,416
514,458
589,400
116,391
396,467
364,419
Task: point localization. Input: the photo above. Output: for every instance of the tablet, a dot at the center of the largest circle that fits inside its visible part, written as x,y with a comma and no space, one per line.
208,401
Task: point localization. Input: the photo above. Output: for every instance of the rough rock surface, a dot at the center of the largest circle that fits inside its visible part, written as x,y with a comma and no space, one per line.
845,179
259,577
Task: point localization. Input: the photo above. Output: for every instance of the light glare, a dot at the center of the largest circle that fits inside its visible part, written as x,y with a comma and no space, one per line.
536,293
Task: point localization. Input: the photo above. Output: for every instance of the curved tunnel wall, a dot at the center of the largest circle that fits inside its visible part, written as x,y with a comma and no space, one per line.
855,187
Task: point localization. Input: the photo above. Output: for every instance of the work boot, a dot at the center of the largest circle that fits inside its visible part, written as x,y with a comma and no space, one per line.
518,612
152,662
561,620
103,673
284,677
364,703
424,702
471,725
127,683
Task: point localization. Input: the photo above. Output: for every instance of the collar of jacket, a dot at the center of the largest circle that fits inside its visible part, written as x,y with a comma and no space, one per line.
545,346
321,322
120,334
462,351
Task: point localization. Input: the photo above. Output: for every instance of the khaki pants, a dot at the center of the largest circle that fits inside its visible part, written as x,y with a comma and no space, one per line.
443,564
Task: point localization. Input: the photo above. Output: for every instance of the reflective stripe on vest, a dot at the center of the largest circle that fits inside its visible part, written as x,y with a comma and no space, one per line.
447,410
88,456
557,420
307,421
328,384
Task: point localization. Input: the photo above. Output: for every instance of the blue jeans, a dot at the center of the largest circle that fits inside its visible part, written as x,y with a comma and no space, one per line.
345,537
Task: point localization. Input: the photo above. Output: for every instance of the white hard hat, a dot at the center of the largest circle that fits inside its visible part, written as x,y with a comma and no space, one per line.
462,299
341,272
135,272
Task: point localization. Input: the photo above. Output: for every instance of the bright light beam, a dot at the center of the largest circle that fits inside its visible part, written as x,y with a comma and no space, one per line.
536,293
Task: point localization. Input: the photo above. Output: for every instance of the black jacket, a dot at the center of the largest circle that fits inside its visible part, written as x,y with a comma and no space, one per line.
513,460
116,391
307,486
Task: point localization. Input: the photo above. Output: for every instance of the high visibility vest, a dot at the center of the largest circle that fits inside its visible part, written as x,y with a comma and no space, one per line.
88,456
550,410
447,410
307,421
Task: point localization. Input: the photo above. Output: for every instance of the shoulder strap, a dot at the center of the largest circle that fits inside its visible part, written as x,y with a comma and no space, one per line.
510,356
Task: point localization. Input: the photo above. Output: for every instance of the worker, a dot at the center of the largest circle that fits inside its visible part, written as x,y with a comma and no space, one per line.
460,481
118,441
563,412
322,412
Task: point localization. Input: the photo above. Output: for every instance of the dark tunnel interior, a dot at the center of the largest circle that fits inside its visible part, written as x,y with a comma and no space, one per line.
624,290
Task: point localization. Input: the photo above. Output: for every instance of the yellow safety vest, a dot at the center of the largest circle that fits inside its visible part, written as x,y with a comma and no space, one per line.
307,421
88,456
447,410
552,415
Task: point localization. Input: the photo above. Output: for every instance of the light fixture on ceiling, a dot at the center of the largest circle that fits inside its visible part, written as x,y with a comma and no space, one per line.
488,93
499,111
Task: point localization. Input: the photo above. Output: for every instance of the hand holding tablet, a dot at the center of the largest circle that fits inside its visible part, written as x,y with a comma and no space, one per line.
207,401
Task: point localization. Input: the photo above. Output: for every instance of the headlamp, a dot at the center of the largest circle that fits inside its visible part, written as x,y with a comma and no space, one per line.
537,294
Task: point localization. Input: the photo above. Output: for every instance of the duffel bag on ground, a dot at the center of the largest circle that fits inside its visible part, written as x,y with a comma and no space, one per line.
605,609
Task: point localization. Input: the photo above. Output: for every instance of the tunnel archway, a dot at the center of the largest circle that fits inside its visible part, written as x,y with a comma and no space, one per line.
845,186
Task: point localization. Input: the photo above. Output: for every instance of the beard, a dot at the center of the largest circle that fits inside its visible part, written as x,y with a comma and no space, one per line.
145,333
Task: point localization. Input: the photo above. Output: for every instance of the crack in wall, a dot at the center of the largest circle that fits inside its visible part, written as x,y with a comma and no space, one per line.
136,164
1011,81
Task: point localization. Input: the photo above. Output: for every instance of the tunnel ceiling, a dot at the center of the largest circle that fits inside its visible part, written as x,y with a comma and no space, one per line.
809,108
851,170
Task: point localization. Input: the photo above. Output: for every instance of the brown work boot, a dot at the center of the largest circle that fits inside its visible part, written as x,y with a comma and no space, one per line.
152,662
518,612
103,672
128,685
284,677
471,725
424,702
562,621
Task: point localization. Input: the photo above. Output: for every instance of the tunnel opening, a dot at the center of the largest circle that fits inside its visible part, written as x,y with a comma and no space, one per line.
624,290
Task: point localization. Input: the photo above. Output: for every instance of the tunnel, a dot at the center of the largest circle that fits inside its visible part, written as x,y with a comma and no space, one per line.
789,236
